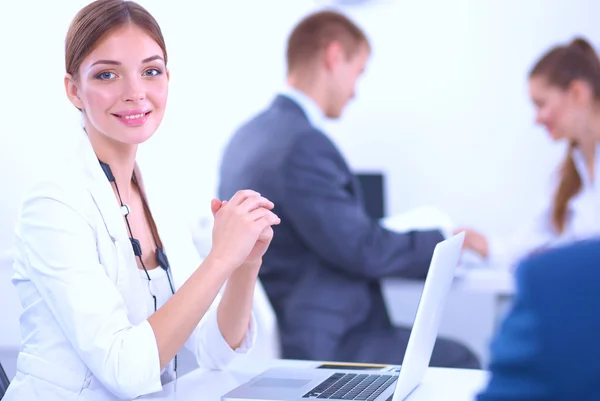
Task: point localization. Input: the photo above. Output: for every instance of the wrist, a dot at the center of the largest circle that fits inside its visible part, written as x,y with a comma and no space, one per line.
219,266
250,266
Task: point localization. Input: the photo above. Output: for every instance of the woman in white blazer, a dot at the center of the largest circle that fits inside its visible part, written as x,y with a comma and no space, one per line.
564,86
111,287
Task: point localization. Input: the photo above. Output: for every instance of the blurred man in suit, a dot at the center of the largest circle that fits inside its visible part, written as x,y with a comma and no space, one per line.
547,348
324,265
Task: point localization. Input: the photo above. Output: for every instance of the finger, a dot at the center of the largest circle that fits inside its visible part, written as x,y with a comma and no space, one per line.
241,195
259,213
254,202
266,234
268,220
270,217
215,205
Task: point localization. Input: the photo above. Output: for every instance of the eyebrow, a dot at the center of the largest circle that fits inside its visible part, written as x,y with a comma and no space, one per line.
113,62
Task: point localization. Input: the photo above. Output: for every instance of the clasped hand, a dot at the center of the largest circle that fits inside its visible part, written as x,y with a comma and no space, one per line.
242,228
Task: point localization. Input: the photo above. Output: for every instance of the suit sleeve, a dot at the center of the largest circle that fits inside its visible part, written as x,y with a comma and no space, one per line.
319,203
517,367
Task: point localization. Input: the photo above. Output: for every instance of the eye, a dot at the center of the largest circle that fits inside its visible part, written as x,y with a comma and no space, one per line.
152,72
106,75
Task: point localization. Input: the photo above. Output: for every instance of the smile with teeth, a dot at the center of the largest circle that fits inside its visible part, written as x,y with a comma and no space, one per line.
133,116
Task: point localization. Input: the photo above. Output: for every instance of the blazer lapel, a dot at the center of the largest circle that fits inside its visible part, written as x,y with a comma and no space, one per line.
128,281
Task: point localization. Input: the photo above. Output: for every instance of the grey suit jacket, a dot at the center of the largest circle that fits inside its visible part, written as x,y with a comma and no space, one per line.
322,270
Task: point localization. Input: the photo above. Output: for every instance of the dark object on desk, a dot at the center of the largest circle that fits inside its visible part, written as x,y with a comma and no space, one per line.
352,366
373,188
4,382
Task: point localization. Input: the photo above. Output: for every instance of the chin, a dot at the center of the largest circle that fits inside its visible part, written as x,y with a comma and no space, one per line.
138,138
334,114
556,136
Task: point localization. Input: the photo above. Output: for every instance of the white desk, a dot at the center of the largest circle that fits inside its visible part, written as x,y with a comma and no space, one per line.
438,384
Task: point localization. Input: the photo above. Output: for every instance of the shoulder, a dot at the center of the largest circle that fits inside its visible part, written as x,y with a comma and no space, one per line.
313,142
566,268
281,116
61,182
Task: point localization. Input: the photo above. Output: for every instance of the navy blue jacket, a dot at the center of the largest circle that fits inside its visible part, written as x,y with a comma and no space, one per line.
548,347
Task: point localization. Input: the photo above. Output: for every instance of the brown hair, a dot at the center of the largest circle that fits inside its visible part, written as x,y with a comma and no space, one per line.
560,66
316,31
97,20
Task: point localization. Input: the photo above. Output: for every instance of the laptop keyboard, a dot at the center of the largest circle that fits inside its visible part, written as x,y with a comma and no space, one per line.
352,386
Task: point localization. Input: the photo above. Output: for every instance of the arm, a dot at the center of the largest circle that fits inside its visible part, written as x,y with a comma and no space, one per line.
243,225
518,365
331,221
228,329
60,256
233,317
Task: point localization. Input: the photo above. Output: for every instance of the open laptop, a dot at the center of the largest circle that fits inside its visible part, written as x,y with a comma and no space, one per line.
289,384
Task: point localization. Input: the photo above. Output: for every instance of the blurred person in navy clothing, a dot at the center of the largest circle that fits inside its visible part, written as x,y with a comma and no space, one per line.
547,348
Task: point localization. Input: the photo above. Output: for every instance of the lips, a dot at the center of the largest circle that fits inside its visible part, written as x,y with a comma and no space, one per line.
132,118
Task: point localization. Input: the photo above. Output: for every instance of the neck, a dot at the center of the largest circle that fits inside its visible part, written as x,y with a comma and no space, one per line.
121,159
588,143
312,86
588,149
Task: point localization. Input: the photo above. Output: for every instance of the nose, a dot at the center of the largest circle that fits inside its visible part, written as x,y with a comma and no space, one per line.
134,90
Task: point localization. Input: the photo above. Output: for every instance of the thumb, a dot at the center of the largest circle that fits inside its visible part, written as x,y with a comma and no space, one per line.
215,205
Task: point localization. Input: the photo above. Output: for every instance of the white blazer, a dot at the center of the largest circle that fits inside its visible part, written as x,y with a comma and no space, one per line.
85,334
583,220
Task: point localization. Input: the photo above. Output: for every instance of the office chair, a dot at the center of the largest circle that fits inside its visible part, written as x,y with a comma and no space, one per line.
4,382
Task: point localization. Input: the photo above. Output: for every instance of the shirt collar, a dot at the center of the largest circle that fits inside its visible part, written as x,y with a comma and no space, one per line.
311,109
581,166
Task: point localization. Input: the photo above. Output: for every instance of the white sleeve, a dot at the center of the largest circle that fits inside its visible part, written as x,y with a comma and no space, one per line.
58,247
210,348
530,238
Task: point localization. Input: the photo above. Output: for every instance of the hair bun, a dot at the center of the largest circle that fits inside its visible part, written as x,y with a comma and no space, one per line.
583,45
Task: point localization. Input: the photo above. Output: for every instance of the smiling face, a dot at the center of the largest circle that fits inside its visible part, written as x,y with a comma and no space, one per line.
121,87
551,106
565,113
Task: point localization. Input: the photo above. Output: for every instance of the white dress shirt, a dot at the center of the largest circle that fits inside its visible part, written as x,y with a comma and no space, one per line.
85,333
583,220
311,109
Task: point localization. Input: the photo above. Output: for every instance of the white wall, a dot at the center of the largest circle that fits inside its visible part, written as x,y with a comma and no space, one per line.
442,109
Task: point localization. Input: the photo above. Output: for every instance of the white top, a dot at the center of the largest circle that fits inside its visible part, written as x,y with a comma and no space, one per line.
85,333
583,220
158,286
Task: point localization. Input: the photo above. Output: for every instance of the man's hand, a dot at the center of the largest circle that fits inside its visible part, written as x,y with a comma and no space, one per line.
474,241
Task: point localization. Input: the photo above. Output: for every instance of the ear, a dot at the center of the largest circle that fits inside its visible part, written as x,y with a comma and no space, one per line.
168,75
73,91
580,92
333,55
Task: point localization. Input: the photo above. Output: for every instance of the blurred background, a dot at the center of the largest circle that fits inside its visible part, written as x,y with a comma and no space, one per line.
442,111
